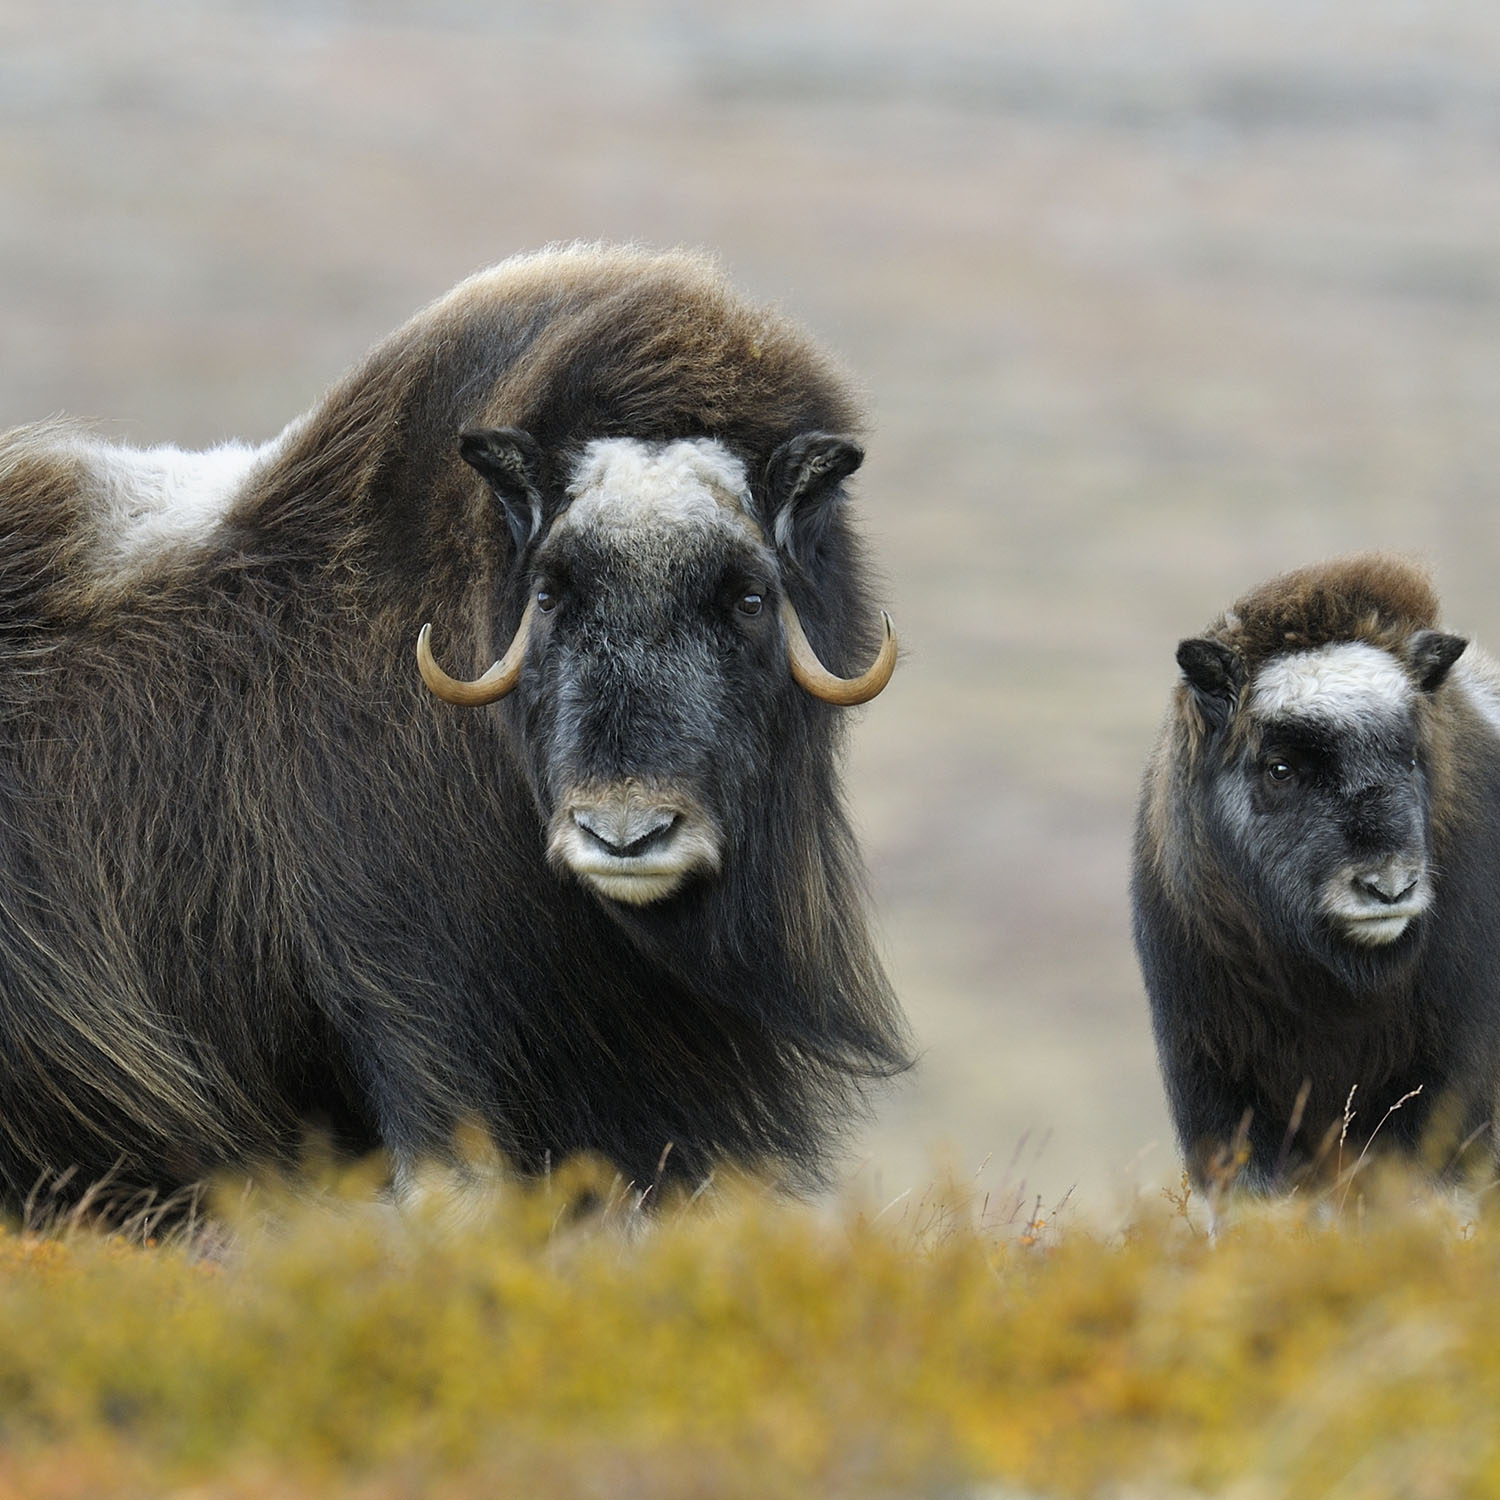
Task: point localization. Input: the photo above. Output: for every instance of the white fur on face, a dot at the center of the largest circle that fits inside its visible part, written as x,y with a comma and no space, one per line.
1347,682
1352,898
625,485
599,834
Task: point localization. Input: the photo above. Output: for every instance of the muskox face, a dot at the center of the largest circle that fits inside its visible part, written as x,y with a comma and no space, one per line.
646,702
651,672
1318,798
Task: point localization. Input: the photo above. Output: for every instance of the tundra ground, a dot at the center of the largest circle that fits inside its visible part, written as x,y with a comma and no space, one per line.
942,1347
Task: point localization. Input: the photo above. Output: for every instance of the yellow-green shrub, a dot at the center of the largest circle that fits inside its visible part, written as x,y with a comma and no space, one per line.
744,1346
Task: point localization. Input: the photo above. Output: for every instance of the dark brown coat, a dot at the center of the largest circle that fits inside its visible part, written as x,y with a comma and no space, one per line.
252,874
1315,886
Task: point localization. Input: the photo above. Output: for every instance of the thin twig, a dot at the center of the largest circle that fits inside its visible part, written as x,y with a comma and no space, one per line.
1354,1170
1293,1125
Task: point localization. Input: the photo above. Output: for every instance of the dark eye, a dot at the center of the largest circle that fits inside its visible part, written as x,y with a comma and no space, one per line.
546,600
749,604
1279,770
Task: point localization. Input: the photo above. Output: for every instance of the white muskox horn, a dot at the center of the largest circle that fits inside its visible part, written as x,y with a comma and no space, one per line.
495,683
812,675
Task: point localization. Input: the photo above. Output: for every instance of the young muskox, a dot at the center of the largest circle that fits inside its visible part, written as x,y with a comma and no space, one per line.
253,873
1317,874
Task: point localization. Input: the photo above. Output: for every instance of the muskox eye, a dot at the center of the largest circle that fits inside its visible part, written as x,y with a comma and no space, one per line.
750,604
546,601
1278,770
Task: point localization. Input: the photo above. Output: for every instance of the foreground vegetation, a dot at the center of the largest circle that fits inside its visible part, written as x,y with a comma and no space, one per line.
742,1346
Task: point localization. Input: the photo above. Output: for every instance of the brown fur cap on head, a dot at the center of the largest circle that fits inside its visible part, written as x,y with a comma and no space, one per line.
1375,597
656,346
590,341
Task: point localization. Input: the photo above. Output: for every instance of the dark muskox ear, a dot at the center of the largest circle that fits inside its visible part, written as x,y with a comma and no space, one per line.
803,482
510,462
1432,655
1215,675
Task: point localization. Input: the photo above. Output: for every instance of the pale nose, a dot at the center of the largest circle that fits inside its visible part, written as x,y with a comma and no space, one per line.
1389,885
626,832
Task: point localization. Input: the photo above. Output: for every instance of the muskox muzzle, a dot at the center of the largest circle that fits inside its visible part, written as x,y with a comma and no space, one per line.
633,843
1373,901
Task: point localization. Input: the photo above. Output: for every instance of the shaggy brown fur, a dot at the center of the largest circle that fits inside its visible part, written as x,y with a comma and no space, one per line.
1373,596
253,874
1263,1012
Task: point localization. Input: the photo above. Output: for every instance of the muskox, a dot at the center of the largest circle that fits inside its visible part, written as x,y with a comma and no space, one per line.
256,874
1317,879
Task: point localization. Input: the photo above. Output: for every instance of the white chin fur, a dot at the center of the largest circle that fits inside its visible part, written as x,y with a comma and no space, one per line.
1364,919
623,815
634,890
1374,932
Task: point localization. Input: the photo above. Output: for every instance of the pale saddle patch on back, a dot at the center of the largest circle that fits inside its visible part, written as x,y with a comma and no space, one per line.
151,501
1478,676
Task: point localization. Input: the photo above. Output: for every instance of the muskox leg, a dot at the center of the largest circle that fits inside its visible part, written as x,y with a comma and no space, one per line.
450,1195
425,1096
1224,1144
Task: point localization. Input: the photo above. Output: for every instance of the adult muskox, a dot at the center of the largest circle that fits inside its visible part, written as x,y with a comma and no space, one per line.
254,873
1317,874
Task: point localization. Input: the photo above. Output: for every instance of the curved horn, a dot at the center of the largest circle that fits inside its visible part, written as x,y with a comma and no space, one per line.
812,675
495,683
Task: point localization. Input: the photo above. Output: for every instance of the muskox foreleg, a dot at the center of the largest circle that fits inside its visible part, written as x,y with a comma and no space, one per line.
1225,1142
426,1102
1227,1134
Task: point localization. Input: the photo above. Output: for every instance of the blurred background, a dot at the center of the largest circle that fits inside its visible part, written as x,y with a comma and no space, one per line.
1150,298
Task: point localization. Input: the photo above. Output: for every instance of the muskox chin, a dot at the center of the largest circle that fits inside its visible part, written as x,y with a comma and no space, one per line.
1314,885
254,874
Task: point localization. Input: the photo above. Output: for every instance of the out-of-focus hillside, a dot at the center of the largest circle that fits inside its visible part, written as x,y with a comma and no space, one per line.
1150,300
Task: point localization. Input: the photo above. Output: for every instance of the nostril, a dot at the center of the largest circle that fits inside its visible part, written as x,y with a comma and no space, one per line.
595,837
653,839
628,836
1385,889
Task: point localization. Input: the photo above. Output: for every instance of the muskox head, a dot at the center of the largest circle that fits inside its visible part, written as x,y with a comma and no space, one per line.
658,645
1315,788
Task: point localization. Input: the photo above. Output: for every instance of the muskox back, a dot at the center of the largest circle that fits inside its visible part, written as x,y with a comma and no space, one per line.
1317,877
254,876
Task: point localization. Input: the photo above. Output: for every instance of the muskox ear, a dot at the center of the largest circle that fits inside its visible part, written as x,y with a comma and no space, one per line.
1433,655
1215,675
804,480
510,462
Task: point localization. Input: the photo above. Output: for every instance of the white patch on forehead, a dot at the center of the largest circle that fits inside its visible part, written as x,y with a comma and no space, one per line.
623,484
1345,682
